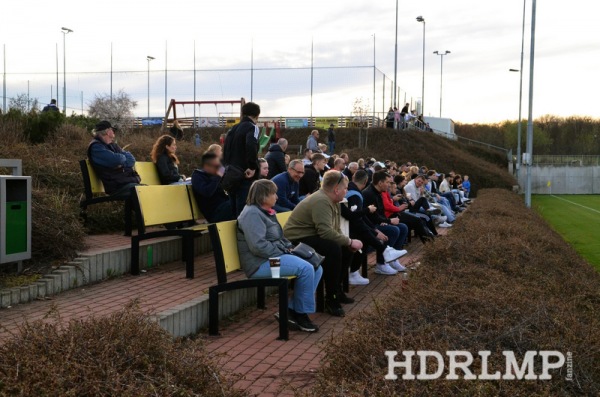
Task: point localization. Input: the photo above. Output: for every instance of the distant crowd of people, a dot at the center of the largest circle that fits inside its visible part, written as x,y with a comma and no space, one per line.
339,207
402,119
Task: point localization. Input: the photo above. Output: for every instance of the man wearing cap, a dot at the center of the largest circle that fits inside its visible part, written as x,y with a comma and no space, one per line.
331,139
113,165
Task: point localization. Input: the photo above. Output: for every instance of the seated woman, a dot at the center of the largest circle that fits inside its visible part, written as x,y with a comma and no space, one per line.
163,155
260,237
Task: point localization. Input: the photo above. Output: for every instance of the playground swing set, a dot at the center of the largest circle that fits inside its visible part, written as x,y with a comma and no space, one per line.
228,120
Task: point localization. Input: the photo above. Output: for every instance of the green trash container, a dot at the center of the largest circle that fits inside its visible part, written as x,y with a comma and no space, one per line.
16,227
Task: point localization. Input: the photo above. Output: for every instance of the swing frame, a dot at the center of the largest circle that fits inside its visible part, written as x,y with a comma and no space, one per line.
172,107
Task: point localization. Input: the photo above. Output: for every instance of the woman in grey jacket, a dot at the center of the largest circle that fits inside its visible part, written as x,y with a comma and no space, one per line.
260,237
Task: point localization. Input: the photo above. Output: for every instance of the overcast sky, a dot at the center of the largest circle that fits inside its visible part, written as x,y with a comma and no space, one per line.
484,38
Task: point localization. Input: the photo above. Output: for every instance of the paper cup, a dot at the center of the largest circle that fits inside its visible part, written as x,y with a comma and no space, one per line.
275,272
275,266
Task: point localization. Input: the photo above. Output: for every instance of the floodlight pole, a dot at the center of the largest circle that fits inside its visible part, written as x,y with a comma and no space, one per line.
149,58
441,74
395,58
421,19
530,115
65,32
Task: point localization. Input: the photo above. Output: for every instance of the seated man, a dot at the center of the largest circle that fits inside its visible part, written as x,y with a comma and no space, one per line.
316,221
416,191
351,170
392,228
311,181
287,187
306,160
113,165
210,196
361,228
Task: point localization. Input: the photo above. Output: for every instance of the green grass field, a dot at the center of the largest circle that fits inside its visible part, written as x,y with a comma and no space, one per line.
577,219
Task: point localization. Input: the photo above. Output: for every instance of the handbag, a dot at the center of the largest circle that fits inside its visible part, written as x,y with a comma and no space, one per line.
232,178
309,254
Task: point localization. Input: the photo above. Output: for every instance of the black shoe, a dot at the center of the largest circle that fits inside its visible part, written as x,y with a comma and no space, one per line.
334,308
292,322
343,298
304,323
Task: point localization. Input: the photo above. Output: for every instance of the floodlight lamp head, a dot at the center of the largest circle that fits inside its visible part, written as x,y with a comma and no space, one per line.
436,52
66,30
447,52
513,70
420,18
149,58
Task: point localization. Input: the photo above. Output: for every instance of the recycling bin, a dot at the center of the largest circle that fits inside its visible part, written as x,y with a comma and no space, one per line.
15,218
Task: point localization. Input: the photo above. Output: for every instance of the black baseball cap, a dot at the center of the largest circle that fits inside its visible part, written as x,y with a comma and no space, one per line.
104,125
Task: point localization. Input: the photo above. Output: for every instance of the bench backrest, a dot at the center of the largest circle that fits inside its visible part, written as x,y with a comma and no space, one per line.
91,183
148,172
283,217
161,204
196,213
223,237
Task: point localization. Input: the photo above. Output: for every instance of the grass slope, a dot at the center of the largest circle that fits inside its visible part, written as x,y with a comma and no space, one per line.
577,219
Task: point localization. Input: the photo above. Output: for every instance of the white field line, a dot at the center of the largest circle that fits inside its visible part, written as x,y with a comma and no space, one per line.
579,205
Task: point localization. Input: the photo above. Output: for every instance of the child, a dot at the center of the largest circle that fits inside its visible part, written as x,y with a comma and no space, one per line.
466,185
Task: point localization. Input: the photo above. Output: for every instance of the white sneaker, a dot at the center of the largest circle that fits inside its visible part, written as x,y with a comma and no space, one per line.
444,224
441,219
356,279
385,269
397,266
390,254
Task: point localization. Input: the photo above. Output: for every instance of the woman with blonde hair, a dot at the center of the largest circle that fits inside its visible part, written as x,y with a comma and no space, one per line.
163,155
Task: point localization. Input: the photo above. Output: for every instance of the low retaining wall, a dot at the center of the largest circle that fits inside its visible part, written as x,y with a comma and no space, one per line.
562,179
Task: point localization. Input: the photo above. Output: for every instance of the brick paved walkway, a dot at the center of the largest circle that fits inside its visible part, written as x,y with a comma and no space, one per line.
249,345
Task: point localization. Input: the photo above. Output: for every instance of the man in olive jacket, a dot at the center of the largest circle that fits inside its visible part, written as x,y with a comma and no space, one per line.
316,221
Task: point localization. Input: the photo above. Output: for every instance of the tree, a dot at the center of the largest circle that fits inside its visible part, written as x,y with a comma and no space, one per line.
23,103
361,109
118,110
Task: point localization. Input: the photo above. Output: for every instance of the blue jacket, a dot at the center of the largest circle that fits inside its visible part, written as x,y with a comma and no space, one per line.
113,165
287,190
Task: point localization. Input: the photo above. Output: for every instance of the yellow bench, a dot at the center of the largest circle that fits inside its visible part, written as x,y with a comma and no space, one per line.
94,188
167,205
223,237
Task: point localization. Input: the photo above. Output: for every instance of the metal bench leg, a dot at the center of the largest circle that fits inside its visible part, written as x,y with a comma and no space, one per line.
260,297
283,311
213,312
128,215
365,264
135,256
189,257
345,279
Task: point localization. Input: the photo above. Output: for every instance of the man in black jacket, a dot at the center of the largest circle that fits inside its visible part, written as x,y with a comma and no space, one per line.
311,180
396,231
276,158
240,150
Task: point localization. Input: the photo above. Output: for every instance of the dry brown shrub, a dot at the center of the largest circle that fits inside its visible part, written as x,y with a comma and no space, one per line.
123,354
501,280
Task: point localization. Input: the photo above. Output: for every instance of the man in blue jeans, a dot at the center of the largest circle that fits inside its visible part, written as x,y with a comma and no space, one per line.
240,150
392,228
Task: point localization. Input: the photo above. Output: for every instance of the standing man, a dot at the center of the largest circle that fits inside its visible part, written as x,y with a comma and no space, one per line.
312,142
316,221
51,107
331,139
113,165
403,114
240,150
276,157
